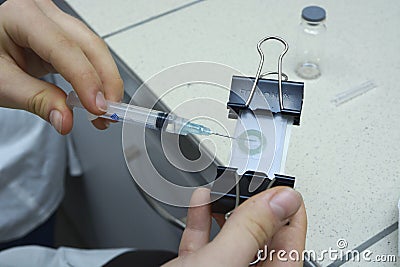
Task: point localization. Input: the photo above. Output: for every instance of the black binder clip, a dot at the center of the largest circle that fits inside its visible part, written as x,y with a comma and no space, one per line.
283,97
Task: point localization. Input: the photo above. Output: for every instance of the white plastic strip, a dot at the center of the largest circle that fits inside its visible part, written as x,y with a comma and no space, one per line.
266,148
353,92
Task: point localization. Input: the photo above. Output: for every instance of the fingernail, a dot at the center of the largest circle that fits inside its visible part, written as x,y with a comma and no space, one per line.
285,203
56,120
107,124
101,102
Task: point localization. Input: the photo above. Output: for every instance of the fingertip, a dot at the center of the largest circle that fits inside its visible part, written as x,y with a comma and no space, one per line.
56,120
257,220
67,121
283,201
101,103
101,123
61,120
90,91
201,196
93,100
198,224
49,102
300,218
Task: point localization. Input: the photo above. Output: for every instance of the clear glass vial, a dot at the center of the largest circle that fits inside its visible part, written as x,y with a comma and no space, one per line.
311,42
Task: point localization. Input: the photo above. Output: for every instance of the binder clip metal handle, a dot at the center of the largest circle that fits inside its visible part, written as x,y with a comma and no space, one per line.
260,66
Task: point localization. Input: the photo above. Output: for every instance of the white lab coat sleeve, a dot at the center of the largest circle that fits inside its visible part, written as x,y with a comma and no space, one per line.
28,256
32,170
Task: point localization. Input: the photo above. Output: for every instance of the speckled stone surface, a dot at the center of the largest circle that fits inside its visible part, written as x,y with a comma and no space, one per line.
346,159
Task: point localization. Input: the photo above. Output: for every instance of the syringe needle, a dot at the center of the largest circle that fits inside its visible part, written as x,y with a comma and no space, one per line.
227,136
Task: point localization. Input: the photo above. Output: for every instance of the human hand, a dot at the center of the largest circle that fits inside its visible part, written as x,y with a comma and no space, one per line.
259,221
37,38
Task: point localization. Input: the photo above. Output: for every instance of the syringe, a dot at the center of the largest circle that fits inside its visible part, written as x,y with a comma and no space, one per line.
150,118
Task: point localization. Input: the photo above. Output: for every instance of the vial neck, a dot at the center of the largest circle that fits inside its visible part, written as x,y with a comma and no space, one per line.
313,23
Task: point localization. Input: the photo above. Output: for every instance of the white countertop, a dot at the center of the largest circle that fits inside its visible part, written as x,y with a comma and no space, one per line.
346,159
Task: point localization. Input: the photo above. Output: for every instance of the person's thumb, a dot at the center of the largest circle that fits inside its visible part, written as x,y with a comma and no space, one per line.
20,91
253,224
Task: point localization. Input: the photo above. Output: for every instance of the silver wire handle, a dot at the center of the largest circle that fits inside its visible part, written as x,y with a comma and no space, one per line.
260,66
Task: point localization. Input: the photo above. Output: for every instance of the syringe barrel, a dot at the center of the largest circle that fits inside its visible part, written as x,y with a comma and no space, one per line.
131,113
150,118
167,122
